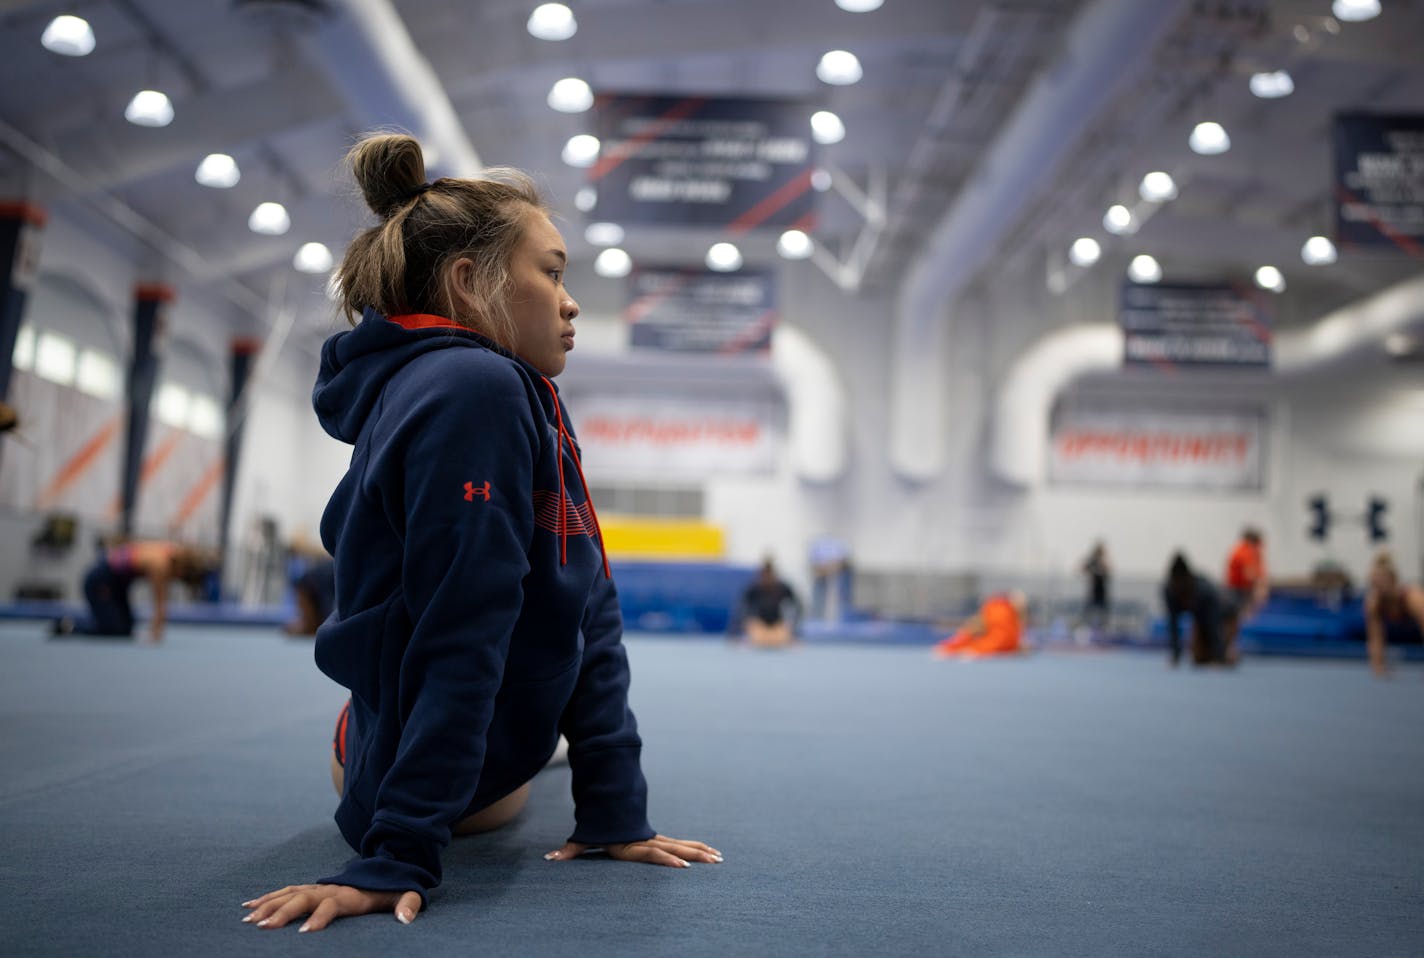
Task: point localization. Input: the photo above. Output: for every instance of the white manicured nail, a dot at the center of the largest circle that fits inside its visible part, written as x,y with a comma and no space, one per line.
403,917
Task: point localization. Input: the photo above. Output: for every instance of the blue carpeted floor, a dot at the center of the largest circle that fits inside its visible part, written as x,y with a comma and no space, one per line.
869,801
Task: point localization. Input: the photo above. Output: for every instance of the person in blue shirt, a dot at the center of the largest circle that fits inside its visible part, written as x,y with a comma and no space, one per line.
476,618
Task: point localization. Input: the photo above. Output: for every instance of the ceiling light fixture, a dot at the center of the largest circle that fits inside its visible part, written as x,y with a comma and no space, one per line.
1273,85
1144,269
570,95
839,68
551,21
1268,277
827,128
581,150
313,258
149,108
1319,251
585,199
794,244
1157,187
219,171
859,6
1209,139
1355,11
1118,220
1085,251
820,180
724,258
603,234
613,263
68,36
269,219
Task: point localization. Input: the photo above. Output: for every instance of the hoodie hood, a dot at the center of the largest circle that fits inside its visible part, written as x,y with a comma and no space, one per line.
356,365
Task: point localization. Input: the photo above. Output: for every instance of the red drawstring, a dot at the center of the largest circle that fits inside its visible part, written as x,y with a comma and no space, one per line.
588,498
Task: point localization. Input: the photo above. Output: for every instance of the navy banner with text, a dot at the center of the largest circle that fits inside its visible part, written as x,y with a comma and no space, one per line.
1167,325
1379,181
688,310
734,164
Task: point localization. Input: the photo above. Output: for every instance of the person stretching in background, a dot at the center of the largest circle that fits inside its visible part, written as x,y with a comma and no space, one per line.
1246,573
1097,568
476,616
996,629
1394,612
1214,619
106,586
769,610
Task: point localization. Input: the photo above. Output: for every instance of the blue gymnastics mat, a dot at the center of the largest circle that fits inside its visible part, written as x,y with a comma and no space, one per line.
869,801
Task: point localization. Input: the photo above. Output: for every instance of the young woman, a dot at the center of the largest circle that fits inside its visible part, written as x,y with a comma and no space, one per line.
107,584
476,618
1394,611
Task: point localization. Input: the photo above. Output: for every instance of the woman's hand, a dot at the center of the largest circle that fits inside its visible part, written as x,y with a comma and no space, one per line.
658,850
326,903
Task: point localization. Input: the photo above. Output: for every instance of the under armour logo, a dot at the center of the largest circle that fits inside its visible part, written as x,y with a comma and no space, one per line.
472,490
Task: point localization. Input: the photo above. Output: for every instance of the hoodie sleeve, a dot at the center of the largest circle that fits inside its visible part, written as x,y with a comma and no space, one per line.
452,463
610,794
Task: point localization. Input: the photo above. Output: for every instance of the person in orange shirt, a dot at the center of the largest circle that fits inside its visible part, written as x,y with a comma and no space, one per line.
997,629
1246,572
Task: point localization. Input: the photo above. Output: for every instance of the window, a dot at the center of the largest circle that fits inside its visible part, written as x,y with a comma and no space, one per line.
24,357
171,405
98,375
205,417
55,358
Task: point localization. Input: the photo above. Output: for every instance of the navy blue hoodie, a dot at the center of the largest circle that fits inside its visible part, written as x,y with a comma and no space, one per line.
475,617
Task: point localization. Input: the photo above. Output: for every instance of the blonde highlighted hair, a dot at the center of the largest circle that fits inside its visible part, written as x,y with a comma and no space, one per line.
398,266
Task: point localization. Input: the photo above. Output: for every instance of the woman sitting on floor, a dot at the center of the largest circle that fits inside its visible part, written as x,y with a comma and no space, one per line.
996,629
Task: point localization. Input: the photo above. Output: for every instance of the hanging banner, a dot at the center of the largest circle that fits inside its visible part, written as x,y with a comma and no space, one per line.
623,437
734,164
1167,325
1207,449
696,311
1379,181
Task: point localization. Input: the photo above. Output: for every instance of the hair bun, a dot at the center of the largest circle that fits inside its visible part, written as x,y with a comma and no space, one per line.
390,170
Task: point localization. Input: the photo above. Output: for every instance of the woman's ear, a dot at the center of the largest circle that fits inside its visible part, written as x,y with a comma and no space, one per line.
461,289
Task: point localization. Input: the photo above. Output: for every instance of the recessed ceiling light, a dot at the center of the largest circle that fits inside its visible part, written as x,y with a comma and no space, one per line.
1355,11
149,108
724,258
552,21
585,199
570,95
1144,269
1085,251
1273,85
1319,251
1209,138
68,36
859,6
1268,277
613,263
827,128
839,68
603,234
1157,187
820,180
1118,220
270,219
794,244
313,258
218,170
581,150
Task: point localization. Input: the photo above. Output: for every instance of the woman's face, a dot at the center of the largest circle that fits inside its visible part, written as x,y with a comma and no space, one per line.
542,309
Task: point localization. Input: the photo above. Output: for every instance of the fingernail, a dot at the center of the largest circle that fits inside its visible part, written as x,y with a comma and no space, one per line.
686,864
403,917
551,856
250,917
717,859
304,928
249,904
263,923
